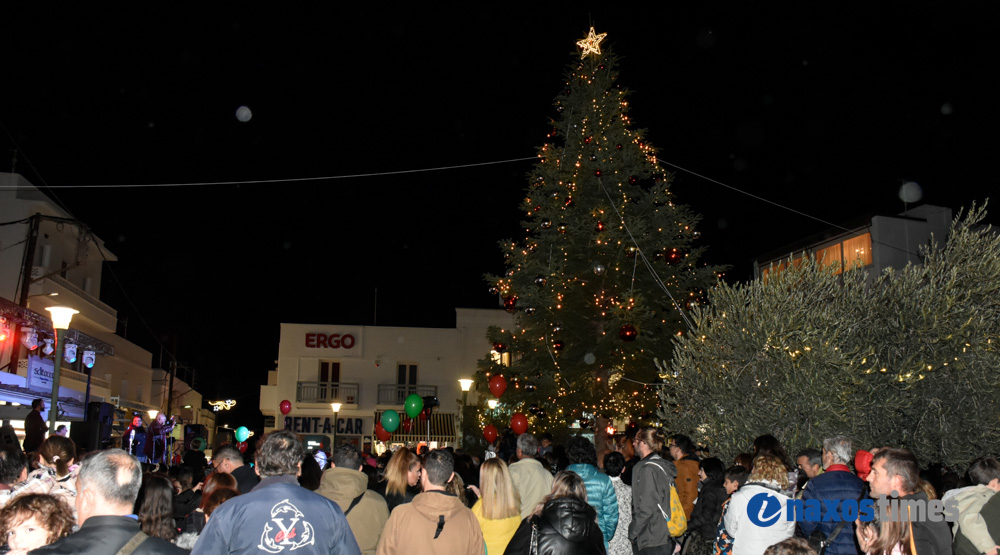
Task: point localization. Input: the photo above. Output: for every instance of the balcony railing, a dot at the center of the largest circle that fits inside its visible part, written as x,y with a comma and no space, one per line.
326,392
395,394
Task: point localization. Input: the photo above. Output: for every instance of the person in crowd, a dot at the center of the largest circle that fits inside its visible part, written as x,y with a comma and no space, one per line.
278,514
627,450
13,469
34,427
195,521
156,439
228,459
734,478
34,520
155,508
614,463
134,438
62,430
195,458
681,450
837,483
56,473
544,444
743,459
107,486
188,496
810,462
311,472
434,523
457,488
708,510
883,537
972,533
530,479
651,481
791,546
187,540
769,476
498,509
600,490
401,480
346,485
896,470
769,445
562,523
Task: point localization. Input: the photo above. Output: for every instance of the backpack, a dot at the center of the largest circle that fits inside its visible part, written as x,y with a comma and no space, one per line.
677,521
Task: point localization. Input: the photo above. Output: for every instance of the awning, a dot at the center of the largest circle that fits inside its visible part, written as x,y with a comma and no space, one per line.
442,429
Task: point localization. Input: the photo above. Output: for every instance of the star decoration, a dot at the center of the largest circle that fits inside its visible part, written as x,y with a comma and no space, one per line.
591,44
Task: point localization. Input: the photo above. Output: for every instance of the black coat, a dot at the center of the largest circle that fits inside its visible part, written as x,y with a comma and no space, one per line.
567,526
101,535
246,478
708,510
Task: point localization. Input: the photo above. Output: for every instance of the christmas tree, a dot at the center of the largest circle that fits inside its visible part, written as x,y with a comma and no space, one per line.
607,266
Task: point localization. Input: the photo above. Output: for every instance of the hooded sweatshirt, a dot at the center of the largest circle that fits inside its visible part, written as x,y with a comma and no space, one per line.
368,517
434,523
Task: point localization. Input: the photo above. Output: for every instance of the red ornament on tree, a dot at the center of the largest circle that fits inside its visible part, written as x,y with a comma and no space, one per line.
499,347
518,423
597,173
558,345
498,384
510,303
628,333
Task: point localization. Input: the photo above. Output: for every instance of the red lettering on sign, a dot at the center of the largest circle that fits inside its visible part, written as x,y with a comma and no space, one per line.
321,341
345,339
311,340
332,341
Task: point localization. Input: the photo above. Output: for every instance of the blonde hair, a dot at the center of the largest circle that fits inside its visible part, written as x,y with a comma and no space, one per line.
500,497
402,461
769,468
653,437
566,484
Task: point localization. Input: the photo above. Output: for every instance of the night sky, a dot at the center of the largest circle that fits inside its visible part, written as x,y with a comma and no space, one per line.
823,109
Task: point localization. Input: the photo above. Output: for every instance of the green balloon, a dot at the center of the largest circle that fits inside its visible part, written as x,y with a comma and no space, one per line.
414,404
390,420
202,444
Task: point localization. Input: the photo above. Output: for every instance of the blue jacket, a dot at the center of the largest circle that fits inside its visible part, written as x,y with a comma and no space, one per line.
601,496
838,482
278,516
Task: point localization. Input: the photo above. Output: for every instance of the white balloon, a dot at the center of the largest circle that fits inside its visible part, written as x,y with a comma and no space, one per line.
910,192
589,358
243,114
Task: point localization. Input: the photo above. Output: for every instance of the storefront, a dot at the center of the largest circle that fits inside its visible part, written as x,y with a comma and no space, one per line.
318,432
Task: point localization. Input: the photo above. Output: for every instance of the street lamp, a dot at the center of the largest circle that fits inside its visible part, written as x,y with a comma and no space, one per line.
152,414
336,409
492,403
61,317
466,386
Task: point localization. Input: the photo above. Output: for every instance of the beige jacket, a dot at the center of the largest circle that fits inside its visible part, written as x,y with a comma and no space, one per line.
970,523
368,517
532,481
412,528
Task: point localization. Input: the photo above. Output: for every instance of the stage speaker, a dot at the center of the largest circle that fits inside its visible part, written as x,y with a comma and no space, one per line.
86,436
104,415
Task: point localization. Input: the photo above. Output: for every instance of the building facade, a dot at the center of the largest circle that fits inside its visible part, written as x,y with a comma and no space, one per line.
372,369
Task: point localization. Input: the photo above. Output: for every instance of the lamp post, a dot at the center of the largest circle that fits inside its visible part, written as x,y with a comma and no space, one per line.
336,409
466,386
61,317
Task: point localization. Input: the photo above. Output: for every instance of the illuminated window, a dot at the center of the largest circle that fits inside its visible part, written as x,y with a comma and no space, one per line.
858,251
855,252
830,256
502,359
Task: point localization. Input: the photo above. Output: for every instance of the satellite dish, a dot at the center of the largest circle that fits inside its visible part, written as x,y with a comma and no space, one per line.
910,192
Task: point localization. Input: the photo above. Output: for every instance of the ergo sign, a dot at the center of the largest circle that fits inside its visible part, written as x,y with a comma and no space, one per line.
331,341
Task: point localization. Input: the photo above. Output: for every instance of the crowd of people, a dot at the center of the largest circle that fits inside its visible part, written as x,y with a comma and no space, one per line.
643,492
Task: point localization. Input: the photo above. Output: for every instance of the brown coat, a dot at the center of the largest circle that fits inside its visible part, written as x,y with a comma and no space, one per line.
687,483
412,526
368,517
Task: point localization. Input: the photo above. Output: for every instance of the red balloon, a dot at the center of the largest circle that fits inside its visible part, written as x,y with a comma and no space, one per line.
518,423
407,424
490,433
286,406
425,414
381,433
498,385
242,446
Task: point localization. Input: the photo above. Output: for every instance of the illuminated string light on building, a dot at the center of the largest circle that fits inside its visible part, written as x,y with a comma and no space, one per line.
222,405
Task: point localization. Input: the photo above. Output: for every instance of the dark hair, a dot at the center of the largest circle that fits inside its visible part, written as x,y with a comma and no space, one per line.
103,472
737,473
36,403
58,451
280,454
683,443
438,466
769,445
347,456
155,507
217,481
184,476
902,463
614,463
581,451
54,514
791,546
815,456
311,473
984,470
744,459
12,463
546,435
218,497
713,468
